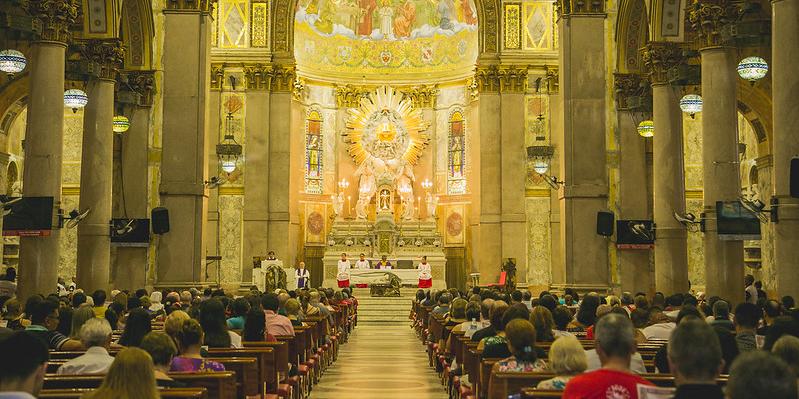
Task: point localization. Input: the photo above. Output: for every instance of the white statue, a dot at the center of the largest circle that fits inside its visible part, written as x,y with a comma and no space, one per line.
338,204
432,205
366,184
404,181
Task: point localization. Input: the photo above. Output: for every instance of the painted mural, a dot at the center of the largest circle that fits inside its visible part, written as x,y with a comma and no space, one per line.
385,36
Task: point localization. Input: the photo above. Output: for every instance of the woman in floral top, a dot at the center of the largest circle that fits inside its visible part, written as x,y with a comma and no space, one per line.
520,340
190,338
566,359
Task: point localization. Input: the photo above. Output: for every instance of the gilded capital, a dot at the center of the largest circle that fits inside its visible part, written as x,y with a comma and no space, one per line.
566,8
710,18
659,58
632,92
106,57
501,79
349,96
204,6
282,78
422,96
55,17
553,79
218,75
143,83
254,76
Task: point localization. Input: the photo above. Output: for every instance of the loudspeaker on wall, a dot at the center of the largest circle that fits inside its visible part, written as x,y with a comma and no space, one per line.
604,223
160,220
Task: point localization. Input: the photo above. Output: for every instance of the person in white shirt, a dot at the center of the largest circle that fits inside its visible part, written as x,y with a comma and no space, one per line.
751,291
425,274
343,276
362,264
303,276
95,334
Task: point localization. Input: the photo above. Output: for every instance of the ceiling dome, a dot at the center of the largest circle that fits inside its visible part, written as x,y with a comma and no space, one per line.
385,40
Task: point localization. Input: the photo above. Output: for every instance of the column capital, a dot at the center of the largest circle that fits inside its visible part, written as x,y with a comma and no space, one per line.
218,75
204,6
140,82
553,78
277,78
106,55
568,8
659,57
423,96
709,18
55,17
632,92
501,78
349,96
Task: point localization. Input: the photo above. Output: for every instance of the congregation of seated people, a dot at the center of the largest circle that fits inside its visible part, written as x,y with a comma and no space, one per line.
489,343
140,344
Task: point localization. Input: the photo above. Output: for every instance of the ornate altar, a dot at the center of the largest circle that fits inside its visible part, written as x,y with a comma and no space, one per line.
269,276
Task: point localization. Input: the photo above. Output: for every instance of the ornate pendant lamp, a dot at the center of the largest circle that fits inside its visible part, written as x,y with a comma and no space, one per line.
12,61
646,128
691,104
75,98
121,124
752,69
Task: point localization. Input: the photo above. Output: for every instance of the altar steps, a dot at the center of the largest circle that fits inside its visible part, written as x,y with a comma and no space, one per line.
383,310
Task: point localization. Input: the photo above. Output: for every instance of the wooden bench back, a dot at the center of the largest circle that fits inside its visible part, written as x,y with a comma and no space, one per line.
502,384
531,393
267,366
220,384
166,393
246,369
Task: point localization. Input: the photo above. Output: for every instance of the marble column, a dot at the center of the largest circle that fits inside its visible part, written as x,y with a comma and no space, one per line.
556,128
671,246
132,195
723,259
213,135
285,177
513,218
38,263
635,267
784,58
97,162
583,88
184,158
256,170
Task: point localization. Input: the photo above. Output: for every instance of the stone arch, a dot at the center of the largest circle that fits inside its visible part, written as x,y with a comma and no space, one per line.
137,32
283,28
632,30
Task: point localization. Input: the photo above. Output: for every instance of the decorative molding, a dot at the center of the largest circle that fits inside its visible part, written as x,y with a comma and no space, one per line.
709,19
632,92
513,31
567,8
271,77
203,6
659,58
553,79
259,20
56,17
106,55
501,79
298,91
350,96
217,75
422,96
140,82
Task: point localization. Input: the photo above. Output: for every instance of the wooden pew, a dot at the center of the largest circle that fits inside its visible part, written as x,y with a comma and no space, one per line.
220,384
267,366
167,393
531,393
246,369
485,374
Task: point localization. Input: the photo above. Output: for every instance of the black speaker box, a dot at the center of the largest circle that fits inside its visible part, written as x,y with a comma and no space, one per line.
794,177
160,220
604,223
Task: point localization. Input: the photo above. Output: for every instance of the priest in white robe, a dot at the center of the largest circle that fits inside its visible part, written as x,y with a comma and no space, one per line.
303,276
362,264
343,275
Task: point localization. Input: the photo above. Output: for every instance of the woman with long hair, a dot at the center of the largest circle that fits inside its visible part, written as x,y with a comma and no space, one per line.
190,338
520,339
79,317
254,326
586,313
131,376
542,320
212,319
136,327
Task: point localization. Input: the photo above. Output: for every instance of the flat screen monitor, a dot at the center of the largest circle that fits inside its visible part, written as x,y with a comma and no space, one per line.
29,217
130,232
635,234
736,223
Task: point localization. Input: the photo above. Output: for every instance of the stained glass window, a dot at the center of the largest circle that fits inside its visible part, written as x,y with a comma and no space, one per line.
456,154
313,153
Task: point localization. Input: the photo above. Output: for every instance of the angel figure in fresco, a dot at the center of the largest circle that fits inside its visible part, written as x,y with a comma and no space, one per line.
406,15
426,13
386,13
366,12
446,10
326,13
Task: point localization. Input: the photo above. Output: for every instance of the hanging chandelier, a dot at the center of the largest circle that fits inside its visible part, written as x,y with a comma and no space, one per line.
646,128
229,150
12,61
75,99
121,124
752,69
691,104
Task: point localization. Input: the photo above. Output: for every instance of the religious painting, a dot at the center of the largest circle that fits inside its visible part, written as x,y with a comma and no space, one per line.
313,153
456,154
385,36
454,225
316,215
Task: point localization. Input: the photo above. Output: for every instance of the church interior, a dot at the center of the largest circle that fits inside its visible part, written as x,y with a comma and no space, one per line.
519,151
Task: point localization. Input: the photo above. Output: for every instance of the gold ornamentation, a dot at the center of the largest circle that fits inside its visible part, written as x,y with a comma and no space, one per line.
275,78
566,8
140,82
350,96
106,55
710,18
204,6
55,16
298,90
632,91
422,96
472,89
260,24
553,79
217,75
386,114
490,22
501,79
659,57
513,22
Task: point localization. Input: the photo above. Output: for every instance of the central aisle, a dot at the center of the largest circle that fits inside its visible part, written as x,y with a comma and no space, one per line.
380,361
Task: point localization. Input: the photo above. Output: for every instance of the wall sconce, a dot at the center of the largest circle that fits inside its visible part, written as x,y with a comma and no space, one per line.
541,158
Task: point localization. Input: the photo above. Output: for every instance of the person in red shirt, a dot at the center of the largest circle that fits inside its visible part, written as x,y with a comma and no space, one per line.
615,344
